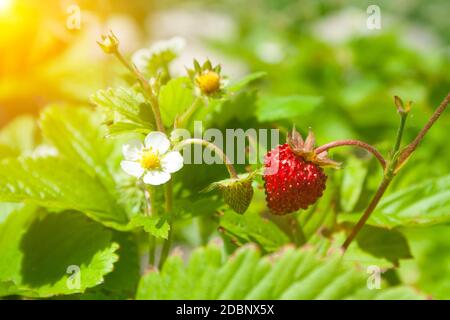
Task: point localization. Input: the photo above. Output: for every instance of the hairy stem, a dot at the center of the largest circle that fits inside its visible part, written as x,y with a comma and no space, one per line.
169,209
150,210
296,230
372,205
401,128
357,143
181,121
413,145
148,201
147,89
160,126
394,166
151,249
212,146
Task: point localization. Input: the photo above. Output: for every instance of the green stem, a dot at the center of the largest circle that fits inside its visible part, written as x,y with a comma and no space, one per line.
400,131
394,166
160,126
167,70
387,179
147,90
148,203
413,145
169,210
184,118
297,231
151,210
151,249
372,205
212,146
356,143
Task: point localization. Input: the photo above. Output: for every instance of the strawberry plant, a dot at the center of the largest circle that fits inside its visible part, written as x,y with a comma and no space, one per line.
196,185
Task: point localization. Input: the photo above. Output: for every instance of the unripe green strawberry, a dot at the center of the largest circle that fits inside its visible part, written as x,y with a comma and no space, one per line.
238,195
237,192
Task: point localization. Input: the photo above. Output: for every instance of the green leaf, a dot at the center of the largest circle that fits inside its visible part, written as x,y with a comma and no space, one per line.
251,227
79,138
175,97
43,254
77,134
124,105
58,183
241,106
123,280
288,274
383,243
322,214
6,208
354,254
242,83
193,207
430,269
425,203
19,136
157,64
123,127
272,108
353,177
156,226
8,152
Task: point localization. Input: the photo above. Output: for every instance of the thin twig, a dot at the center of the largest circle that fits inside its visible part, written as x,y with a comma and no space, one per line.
212,146
150,210
413,145
154,103
372,205
401,129
393,167
147,89
181,121
169,210
357,143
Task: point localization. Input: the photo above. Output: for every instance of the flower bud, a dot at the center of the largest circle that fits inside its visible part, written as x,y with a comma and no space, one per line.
401,108
109,43
207,79
208,82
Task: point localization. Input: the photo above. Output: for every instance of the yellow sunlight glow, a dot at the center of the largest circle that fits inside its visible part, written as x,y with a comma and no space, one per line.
5,5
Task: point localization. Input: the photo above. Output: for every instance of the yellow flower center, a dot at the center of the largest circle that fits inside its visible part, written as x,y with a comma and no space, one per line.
209,82
150,160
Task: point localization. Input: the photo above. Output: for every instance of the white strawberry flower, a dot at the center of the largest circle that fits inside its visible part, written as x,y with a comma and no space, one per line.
152,161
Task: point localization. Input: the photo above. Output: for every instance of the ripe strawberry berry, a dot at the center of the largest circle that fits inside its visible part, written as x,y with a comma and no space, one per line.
293,175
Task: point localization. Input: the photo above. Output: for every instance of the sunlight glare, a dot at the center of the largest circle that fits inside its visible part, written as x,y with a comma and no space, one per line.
5,5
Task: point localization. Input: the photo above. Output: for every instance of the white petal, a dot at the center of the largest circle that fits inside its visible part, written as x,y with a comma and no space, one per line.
131,149
156,177
157,141
172,162
132,168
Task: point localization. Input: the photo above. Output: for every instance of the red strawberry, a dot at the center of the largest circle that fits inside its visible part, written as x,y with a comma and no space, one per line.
294,178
